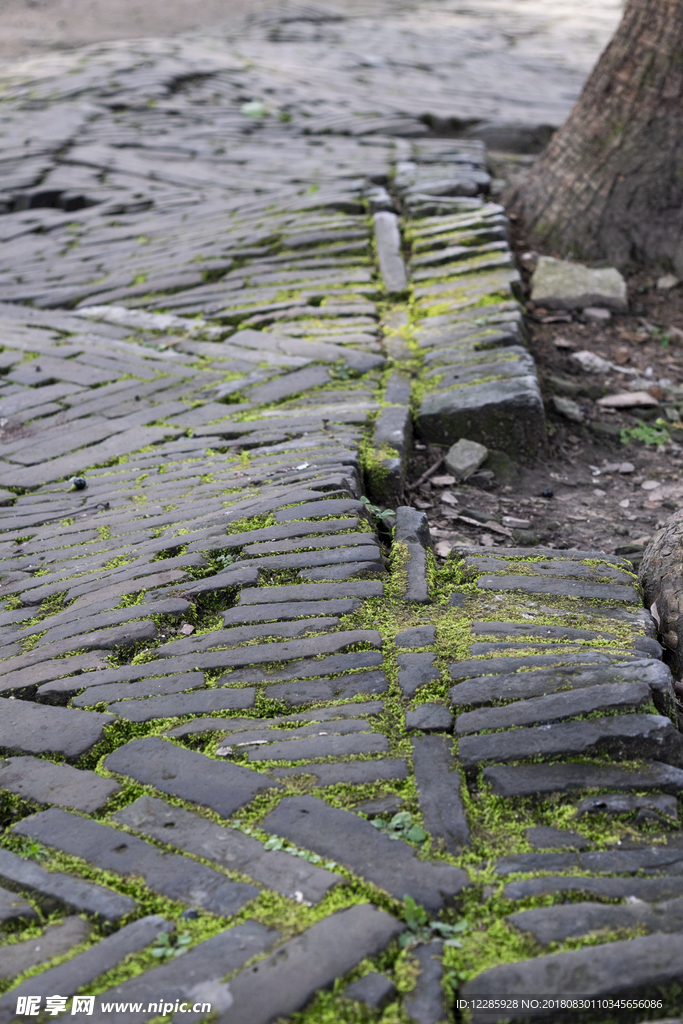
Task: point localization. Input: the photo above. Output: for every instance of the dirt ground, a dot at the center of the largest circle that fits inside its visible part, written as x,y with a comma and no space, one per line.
601,486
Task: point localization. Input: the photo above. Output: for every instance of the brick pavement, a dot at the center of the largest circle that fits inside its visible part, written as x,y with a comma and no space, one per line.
255,742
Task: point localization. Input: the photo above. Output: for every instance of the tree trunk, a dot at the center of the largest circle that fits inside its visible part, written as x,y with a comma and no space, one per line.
609,187
661,577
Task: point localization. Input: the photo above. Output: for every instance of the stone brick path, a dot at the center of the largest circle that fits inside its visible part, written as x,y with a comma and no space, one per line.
256,745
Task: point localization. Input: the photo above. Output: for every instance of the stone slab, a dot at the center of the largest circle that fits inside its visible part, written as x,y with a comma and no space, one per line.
524,629
38,780
663,887
559,587
419,636
78,972
541,779
439,792
616,697
624,803
37,729
351,570
525,685
186,774
635,967
108,848
326,507
312,592
391,265
307,668
352,841
555,924
504,415
34,675
65,890
56,940
321,746
426,1003
199,702
286,980
373,989
13,907
624,736
232,725
355,773
277,612
416,670
521,862
196,975
228,847
224,639
564,659
545,837
339,688
430,718
412,531
151,687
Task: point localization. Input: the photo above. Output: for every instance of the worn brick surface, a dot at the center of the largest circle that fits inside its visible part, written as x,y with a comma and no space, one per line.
227,676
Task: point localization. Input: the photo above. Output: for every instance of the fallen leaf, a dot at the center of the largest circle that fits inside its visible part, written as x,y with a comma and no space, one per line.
443,548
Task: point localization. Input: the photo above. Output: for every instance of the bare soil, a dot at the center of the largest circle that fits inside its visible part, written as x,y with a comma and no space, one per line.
598,487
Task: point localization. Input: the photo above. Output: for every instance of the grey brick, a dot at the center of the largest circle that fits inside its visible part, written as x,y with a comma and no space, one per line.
199,702
624,736
13,907
321,746
228,847
426,1003
191,776
56,940
37,729
78,972
199,971
617,697
355,773
53,887
351,841
635,967
539,779
170,874
36,779
285,981
438,786
312,592
416,670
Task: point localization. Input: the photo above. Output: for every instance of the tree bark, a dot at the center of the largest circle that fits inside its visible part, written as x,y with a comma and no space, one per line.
609,187
661,577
